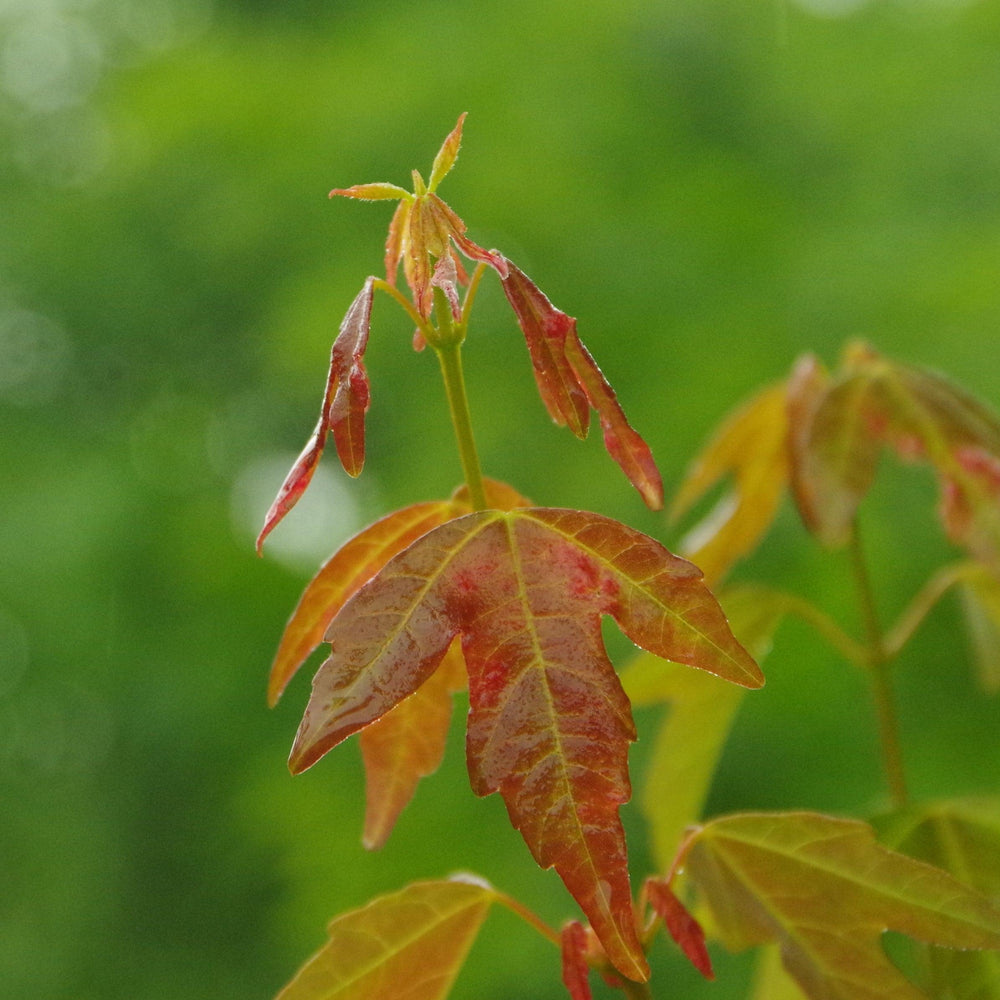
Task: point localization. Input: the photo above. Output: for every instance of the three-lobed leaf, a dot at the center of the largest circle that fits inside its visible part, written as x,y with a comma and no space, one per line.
409,945
549,724
826,891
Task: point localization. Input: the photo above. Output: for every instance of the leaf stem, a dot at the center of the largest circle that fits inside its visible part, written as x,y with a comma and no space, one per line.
849,647
395,293
879,657
450,358
931,592
530,918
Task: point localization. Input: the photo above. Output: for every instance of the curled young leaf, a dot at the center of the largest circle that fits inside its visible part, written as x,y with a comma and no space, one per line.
424,228
345,402
570,383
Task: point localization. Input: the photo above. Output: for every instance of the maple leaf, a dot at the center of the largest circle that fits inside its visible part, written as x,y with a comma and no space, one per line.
961,836
549,724
825,434
826,891
409,945
407,743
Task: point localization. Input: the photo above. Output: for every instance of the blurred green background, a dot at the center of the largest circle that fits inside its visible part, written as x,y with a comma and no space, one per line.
711,186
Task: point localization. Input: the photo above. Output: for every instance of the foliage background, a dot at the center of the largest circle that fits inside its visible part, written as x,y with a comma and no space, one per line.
711,187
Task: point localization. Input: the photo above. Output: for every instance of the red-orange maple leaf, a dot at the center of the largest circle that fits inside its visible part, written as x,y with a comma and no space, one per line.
549,724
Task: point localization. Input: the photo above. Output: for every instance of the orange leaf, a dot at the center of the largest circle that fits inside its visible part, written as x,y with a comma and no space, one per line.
406,946
549,724
405,745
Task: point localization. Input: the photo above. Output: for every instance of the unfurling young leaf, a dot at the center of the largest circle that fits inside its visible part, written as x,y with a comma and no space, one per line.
826,891
406,946
876,402
569,382
549,724
345,403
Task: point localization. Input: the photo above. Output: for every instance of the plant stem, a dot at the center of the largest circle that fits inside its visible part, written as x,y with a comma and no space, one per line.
878,665
450,357
636,991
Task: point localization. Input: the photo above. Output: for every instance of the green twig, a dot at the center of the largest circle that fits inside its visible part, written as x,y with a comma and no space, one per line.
879,657
458,403
932,591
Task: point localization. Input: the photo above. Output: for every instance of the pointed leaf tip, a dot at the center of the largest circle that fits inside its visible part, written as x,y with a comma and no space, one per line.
447,154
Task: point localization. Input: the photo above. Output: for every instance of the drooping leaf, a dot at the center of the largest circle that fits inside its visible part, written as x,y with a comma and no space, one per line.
962,836
549,724
406,946
826,891
345,403
700,712
405,745
752,446
680,924
545,330
839,452
875,402
575,970
570,382
980,592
